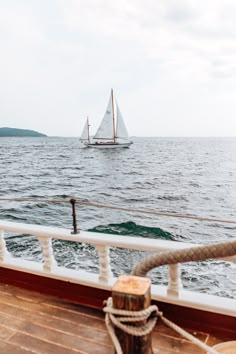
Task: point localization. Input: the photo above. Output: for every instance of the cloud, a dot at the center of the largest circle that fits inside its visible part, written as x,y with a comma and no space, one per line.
60,59
166,30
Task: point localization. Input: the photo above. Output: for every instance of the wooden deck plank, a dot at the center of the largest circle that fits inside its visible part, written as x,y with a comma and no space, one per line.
24,308
175,345
32,322
87,332
223,326
9,348
41,346
78,340
166,331
36,297
5,332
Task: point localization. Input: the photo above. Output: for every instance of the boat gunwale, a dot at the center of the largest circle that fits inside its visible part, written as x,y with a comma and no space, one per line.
182,297
196,319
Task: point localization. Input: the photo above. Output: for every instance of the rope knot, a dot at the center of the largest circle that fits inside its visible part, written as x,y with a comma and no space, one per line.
121,318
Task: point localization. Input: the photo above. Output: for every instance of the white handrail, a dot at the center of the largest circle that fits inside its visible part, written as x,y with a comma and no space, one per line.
102,242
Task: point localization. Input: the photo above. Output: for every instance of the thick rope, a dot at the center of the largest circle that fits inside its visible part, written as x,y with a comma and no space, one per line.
224,249
150,315
188,336
125,316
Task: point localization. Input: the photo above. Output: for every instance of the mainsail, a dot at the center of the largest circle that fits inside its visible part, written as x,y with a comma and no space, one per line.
121,131
85,132
105,130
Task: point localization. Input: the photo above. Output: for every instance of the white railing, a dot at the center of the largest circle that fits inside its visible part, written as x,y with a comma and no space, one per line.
173,293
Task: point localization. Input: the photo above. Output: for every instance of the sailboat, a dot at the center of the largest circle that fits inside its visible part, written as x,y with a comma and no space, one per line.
85,138
112,132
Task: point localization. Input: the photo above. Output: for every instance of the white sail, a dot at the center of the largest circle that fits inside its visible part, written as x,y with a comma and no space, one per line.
121,130
85,132
112,130
105,130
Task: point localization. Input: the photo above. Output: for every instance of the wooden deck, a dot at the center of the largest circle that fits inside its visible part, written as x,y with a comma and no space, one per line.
35,323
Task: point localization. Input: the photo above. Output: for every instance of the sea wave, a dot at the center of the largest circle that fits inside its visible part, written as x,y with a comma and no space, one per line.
130,228
191,176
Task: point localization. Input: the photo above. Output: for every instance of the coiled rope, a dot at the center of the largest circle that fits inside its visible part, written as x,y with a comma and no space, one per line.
125,316
119,318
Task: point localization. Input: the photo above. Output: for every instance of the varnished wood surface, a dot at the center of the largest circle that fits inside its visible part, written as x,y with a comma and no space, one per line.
34,323
219,325
132,294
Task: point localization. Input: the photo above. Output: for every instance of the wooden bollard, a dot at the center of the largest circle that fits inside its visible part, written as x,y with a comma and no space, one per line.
133,294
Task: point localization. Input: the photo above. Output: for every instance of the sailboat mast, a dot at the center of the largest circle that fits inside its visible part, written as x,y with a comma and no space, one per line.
113,116
88,129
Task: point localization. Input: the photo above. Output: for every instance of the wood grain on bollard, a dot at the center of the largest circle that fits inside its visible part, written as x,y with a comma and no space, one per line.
133,294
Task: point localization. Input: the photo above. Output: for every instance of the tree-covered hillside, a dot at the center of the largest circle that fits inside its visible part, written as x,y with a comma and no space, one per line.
18,132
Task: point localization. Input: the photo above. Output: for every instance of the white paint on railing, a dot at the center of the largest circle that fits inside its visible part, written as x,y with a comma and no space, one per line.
48,255
174,281
104,263
3,250
104,280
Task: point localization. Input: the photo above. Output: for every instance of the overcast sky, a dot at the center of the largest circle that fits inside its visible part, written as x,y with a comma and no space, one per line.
171,63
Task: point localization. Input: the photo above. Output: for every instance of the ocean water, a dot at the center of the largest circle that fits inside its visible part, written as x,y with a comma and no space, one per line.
192,176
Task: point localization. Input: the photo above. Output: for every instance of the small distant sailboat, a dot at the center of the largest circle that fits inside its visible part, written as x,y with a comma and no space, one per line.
112,132
85,138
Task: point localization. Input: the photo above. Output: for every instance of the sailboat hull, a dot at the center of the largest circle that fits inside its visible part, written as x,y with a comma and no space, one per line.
109,145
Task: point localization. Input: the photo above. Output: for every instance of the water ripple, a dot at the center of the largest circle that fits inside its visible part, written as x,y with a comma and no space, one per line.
180,175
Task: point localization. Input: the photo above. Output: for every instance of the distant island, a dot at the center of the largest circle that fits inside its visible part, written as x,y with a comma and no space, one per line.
19,132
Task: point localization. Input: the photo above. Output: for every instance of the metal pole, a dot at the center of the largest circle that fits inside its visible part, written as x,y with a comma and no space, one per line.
75,231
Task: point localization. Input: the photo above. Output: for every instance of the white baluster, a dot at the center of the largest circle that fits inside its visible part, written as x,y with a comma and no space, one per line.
3,249
48,256
174,283
104,263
